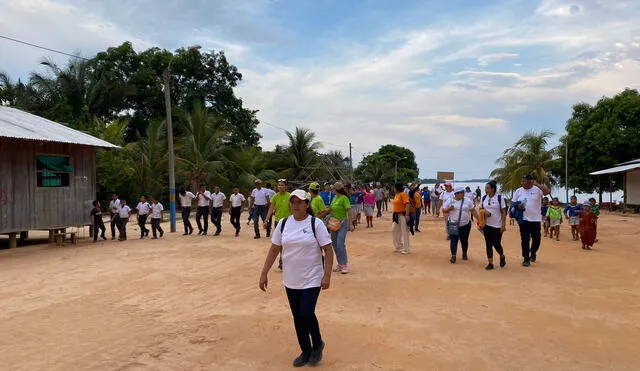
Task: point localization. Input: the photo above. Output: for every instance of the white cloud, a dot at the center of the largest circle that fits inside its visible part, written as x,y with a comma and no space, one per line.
459,120
559,8
485,60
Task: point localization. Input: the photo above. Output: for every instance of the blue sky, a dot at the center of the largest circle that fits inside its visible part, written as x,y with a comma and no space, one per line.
455,81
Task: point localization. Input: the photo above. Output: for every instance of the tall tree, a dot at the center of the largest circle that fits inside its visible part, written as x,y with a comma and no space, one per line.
149,160
381,165
302,152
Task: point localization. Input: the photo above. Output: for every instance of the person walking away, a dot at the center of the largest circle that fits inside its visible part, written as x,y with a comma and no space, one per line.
435,200
415,197
572,212
143,208
217,203
340,210
459,210
114,206
156,218
379,193
554,213
369,197
237,201
123,218
400,220
259,204
529,197
98,223
444,196
186,198
494,207
203,197
279,207
587,226
545,219
478,194
327,195
426,201
596,211
302,239
359,203
385,203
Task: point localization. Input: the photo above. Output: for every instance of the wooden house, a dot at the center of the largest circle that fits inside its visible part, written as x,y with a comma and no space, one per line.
47,174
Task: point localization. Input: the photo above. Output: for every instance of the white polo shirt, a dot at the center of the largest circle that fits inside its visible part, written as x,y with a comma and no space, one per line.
114,205
124,211
301,253
491,205
260,196
217,199
143,208
185,201
444,196
156,210
202,201
237,200
532,198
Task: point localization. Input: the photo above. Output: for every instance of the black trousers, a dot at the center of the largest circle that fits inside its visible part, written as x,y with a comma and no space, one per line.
188,228
493,239
235,217
202,211
379,207
463,237
530,238
303,308
114,225
98,226
142,220
122,227
216,218
259,211
155,227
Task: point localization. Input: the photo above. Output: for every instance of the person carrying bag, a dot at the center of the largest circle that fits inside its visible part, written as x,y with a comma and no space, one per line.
460,227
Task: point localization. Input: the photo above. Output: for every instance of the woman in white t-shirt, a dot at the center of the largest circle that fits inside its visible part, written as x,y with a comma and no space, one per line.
459,210
494,208
304,271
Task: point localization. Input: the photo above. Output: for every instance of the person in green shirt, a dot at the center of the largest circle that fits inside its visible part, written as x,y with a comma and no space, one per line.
339,209
554,213
279,207
317,203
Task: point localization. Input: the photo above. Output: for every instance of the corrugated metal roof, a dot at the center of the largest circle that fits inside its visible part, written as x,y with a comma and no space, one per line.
617,169
15,123
636,161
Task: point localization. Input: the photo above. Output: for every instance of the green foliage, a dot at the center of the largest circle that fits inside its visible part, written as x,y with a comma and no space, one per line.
380,166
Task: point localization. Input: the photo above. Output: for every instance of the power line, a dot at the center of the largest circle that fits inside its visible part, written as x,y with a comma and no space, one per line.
42,47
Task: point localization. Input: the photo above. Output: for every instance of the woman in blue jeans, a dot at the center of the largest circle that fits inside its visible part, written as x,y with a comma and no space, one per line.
459,209
339,209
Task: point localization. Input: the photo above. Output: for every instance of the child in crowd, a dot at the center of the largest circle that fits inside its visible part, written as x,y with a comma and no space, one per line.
554,213
123,218
572,212
596,211
545,219
156,218
98,224
587,226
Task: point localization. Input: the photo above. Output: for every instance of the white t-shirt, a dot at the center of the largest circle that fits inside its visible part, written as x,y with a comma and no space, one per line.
143,208
532,198
470,195
156,210
260,196
124,211
301,254
202,201
379,194
185,201
237,200
217,199
467,206
114,205
444,196
491,205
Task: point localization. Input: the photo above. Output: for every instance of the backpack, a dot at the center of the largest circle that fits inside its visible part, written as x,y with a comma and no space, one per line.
313,229
485,196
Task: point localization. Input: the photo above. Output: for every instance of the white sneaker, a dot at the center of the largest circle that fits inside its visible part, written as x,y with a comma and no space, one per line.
344,269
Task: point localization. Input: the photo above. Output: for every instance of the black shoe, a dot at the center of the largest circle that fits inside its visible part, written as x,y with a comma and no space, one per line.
417,230
448,238
256,237
526,263
161,234
268,235
316,355
452,260
185,233
489,266
104,238
503,261
533,258
465,257
146,232
199,232
113,238
216,234
191,232
302,360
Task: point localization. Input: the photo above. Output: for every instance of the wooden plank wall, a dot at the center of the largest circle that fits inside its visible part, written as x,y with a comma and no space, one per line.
24,206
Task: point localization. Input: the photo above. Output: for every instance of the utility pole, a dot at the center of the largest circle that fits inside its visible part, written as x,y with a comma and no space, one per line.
172,170
350,163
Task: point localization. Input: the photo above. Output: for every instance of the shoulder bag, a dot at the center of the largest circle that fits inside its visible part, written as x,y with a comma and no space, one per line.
454,228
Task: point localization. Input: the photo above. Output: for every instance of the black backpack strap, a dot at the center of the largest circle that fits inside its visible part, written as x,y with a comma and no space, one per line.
282,223
313,227
482,202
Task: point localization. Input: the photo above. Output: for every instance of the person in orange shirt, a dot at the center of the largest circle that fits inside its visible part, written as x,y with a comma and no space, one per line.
415,198
399,228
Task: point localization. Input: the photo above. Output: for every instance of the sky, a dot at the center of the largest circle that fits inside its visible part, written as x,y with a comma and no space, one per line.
456,81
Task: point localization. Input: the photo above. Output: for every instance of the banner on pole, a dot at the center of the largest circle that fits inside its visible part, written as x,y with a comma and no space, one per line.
445,175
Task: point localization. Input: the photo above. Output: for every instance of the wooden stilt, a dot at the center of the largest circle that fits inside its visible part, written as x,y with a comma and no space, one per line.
13,241
24,235
52,233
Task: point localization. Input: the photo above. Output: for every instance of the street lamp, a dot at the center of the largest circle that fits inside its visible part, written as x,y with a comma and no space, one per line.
172,169
400,159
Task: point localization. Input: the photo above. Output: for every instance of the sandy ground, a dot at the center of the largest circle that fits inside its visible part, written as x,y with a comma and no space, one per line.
192,303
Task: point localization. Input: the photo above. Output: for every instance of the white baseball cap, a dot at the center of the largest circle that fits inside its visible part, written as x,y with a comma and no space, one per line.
299,193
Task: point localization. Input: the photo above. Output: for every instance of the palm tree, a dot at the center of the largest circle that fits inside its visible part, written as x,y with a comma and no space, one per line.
149,156
203,153
302,151
529,155
247,165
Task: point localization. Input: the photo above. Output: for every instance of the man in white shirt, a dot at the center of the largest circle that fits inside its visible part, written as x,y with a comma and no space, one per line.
156,218
379,192
185,202
530,198
114,206
259,202
203,197
217,203
143,208
123,218
444,197
237,200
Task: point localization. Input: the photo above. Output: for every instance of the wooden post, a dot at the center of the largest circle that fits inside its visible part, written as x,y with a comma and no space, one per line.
13,241
52,233
24,235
